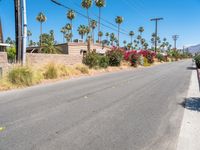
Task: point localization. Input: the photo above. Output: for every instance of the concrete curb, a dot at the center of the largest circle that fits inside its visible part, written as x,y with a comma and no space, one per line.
190,130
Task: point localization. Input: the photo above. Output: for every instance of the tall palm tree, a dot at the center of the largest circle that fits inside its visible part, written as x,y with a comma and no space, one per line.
131,34
68,37
93,25
28,35
141,30
112,38
71,16
41,18
100,34
81,31
63,31
99,4
87,30
119,21
124,43
87,4
107,35
68,27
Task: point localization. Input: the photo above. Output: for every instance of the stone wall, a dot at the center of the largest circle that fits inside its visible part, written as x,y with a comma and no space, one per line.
3,61
36,59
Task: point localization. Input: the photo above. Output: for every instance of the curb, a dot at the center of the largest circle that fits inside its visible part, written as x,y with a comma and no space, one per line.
190,129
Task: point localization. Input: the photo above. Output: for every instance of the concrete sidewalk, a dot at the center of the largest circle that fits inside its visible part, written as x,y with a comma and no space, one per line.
189,138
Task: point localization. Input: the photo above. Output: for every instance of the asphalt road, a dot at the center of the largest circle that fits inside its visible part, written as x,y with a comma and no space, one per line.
128,110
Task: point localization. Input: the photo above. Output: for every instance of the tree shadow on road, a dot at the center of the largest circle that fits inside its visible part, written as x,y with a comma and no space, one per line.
192,103
191,68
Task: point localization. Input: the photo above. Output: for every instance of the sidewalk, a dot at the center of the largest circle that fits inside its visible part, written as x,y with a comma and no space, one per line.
189,138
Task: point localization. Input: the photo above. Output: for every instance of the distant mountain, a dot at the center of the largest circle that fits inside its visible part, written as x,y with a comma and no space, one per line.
194,49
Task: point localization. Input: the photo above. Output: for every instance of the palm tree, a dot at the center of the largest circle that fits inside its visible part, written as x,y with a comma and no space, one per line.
141,30
99,4
68,37
131,34
41,18
119,21
100,34
63,31
146,46
81,31
68,27
93,25
71,16
87,4
112,38
124,43
107,35
28,35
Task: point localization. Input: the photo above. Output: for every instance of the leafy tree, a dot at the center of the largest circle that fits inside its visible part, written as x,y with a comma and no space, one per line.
41,18
99,4
48,43
119,21
71,16
10,41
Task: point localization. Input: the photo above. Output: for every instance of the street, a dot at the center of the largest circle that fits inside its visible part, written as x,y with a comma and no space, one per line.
127,110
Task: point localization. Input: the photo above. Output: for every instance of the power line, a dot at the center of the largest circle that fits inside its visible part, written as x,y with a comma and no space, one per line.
106,21
79,13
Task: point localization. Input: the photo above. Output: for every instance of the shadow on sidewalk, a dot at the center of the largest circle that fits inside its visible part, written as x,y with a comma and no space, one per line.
192,103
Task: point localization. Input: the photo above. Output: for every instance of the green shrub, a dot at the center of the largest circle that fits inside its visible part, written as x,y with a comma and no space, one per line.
197,60
91,59
51,71
115,57
160,57
103,61
22,76
11,53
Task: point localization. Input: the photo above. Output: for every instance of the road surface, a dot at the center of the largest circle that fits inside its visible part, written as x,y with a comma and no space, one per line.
127,110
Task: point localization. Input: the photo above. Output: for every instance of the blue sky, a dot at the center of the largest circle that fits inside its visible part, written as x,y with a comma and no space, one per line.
181,17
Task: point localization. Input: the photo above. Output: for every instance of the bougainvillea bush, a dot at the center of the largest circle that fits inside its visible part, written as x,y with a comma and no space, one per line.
115,56
133,57
149,55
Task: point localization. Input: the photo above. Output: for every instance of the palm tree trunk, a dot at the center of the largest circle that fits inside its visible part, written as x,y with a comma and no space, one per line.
40,34
93,35
99,28
71,30
131,39
118,32
82,36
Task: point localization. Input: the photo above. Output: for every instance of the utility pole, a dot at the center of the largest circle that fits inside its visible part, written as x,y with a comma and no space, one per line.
156,30
175,38
18,30
24,33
